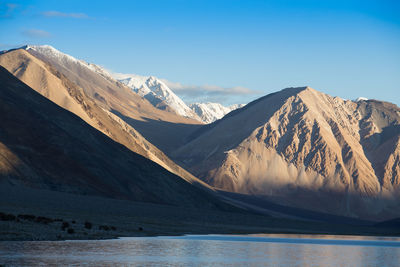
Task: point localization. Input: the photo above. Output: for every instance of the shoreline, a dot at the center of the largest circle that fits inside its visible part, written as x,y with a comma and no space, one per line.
45,215
276,235
202,232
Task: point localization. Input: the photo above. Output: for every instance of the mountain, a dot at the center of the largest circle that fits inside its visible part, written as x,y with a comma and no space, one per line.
157,93
163,128
96,102
162,97
44,146
303,148
210,112
361,99
297,147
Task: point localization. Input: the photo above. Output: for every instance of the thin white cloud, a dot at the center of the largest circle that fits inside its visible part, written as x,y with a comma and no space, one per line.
202,93
65,15
208,89
6,46
6,10
36,33
11,6
211,93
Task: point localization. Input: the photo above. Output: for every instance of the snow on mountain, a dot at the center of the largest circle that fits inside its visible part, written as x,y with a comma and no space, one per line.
52,53
66,60
157,92
149,87
134,81
210,112
361,99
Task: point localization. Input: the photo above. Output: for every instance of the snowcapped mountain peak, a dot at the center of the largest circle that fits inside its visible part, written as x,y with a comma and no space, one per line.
162,89
156,91
361,99
210,112
50,53
149,87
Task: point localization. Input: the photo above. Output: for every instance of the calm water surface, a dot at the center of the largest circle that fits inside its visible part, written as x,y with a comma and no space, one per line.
211,250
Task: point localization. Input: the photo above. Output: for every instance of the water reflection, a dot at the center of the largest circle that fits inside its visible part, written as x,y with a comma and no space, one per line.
212,250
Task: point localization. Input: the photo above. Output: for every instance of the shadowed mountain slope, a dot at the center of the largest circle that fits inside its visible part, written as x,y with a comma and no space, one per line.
54,85
163,128
44,146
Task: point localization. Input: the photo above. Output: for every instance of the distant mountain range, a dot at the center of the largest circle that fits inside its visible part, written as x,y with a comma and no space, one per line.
157,93
297,147
162,97
151,88
210,112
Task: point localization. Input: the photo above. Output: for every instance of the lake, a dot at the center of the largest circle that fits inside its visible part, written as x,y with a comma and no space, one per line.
208,250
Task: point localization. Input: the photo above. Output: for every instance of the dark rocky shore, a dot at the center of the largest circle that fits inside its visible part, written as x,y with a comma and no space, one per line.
29,214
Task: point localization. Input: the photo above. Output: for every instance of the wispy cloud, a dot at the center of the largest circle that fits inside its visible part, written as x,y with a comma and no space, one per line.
11,6
65,15
210,93
6,46
6,10
202,93
36,33
209,89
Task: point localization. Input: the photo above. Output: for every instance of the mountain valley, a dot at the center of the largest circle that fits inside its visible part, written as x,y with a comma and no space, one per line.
294,157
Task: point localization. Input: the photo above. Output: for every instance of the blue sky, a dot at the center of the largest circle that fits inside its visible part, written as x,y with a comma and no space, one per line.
226,51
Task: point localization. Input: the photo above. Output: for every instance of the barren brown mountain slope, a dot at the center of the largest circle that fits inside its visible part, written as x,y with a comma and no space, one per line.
47,147
54,85
163,128
307,149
